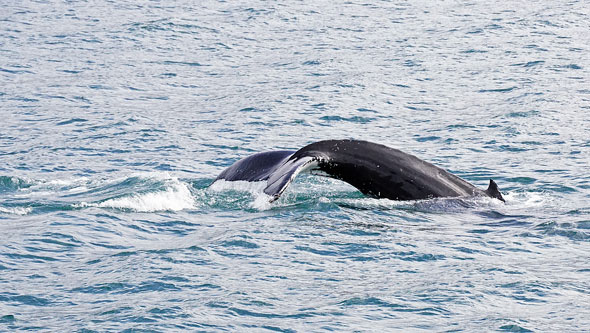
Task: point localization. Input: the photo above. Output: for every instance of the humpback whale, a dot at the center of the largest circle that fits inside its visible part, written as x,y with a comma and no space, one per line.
374,169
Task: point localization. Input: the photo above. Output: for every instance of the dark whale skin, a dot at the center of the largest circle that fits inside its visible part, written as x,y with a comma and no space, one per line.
374,169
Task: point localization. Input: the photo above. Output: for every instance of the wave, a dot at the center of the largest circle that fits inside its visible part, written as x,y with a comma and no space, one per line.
527,199
8,183
16,210
176,197
261,201
145,192
159,191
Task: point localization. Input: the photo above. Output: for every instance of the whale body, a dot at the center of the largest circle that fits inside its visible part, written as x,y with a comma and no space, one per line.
374,169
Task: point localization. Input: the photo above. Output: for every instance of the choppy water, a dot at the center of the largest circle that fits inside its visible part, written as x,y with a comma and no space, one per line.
116,117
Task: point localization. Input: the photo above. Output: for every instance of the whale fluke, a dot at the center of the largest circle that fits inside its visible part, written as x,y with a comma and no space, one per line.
374,169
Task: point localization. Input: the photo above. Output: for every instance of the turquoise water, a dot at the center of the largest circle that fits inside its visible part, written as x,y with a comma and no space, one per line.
116,118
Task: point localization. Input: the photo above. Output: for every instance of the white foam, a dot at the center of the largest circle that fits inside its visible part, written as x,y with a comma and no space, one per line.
262,201
526,199
16,210
446,204
48,188
176,197
222,185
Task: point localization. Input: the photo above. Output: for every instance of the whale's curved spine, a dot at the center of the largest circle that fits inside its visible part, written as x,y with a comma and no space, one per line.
374,169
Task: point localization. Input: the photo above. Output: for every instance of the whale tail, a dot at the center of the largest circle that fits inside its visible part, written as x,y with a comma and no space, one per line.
494,192
375,170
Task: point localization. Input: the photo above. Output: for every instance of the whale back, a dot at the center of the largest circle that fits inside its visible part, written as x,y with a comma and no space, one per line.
374,169
384,172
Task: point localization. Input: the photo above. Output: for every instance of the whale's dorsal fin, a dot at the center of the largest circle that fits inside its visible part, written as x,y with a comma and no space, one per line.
494,192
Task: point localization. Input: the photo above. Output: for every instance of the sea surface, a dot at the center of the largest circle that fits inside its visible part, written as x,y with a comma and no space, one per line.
116,117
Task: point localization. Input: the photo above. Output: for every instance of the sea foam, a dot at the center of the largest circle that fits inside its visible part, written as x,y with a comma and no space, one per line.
176,196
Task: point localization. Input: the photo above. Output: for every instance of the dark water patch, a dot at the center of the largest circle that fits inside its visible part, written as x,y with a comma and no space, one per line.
311,63
168,74
7,319
115,311
109,246
358,301
379,303
460,126
16,71
352,248
278,329
571,66
301,315
475,31
151,286
427,138
563,230
564,68
514,149
126,288
521,180
399,85
316,74
529,64
24,299
201,287
71,121
61,240
360,232
9,183
474,51
150,26
182,63
24,99
30,257
240,243
468,250
513,328
353,119
532,143
411,63
416,108
500,90
479,231
524,114
366,110
251,109
557,188
165,311
417,257
315,251
100,87
501,270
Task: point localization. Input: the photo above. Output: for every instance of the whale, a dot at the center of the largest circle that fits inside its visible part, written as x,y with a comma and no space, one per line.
376,170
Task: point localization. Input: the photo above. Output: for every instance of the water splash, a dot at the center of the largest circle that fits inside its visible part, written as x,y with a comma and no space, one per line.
16,210
176,197
258,199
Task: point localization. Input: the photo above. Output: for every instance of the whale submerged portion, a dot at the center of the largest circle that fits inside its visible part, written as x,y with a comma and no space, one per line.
375,170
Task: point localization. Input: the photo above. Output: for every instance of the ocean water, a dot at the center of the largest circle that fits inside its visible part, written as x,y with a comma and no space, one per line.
117,117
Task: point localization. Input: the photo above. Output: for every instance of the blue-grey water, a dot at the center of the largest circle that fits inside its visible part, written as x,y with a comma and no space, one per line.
116,116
